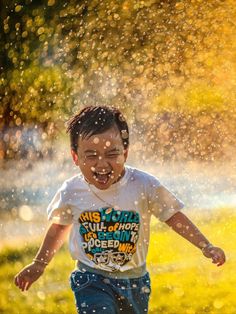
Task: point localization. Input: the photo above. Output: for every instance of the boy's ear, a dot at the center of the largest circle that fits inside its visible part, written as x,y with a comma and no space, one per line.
75,157
126,151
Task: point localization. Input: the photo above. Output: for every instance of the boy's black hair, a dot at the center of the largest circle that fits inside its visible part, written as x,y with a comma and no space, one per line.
95,120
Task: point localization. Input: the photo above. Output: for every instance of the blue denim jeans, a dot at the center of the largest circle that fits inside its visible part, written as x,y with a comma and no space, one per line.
95,293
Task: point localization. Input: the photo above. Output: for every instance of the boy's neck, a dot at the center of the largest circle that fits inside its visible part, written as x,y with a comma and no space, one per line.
121,176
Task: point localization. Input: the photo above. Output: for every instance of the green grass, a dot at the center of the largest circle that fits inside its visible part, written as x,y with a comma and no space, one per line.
183,280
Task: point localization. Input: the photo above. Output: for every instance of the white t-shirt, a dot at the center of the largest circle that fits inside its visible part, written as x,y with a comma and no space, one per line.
111,227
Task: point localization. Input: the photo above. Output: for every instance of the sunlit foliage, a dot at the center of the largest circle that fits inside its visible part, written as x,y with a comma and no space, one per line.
153,59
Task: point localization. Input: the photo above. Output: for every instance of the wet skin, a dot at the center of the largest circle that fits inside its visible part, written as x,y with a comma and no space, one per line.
101,158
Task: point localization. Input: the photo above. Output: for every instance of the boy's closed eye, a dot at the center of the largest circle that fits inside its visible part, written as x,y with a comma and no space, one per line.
113,155
94,156
113,152
110,154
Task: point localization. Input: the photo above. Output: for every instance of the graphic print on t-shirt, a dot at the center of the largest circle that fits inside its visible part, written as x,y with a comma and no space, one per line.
110,236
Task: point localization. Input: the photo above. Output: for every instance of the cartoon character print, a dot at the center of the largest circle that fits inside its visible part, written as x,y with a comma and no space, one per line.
109,236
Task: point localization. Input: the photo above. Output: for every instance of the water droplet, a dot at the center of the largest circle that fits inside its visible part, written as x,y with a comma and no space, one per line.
25,213
41,295
51,3
96,140
218,304
18,8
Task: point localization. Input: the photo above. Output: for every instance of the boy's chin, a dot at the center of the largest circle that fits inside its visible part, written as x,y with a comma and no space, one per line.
102,185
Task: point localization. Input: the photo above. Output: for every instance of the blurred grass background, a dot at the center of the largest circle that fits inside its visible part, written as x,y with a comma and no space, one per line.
183,280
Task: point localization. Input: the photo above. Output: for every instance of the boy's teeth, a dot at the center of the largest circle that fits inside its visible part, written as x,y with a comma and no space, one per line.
103,178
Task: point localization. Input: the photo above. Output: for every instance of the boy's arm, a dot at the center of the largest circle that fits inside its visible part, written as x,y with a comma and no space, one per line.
183,226
53,240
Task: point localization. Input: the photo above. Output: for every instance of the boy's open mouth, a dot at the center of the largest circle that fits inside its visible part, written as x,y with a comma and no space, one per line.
102,177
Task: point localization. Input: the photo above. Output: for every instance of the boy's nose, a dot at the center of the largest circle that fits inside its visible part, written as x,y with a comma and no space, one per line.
102,163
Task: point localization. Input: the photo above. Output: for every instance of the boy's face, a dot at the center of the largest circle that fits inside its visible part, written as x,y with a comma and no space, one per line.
101,158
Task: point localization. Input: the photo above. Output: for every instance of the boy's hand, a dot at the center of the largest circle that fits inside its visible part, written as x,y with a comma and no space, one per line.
28,275
216,253
53,240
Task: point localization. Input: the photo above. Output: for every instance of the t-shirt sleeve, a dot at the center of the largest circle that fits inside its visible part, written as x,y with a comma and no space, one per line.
163,203
59,210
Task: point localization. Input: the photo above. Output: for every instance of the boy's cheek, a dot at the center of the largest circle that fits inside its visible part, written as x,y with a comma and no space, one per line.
120,160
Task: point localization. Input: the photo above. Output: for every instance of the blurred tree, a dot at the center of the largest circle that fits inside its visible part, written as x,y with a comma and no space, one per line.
155,60
34,88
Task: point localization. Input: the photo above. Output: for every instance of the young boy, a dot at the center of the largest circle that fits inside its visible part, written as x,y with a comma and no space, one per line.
109,207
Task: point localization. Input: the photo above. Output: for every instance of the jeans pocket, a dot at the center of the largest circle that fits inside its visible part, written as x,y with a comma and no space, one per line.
79,280
146,285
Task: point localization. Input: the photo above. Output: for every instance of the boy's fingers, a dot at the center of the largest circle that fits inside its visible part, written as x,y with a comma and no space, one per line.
222,260
221,263
26,285
21,285
218,259
19,282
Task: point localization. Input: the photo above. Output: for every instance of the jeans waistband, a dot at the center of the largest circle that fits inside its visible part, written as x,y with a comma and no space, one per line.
131,273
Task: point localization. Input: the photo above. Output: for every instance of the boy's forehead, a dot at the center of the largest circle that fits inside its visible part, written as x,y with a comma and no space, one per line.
111,136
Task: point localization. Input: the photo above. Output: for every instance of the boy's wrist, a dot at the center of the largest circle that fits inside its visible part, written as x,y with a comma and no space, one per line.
206,246
40,262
